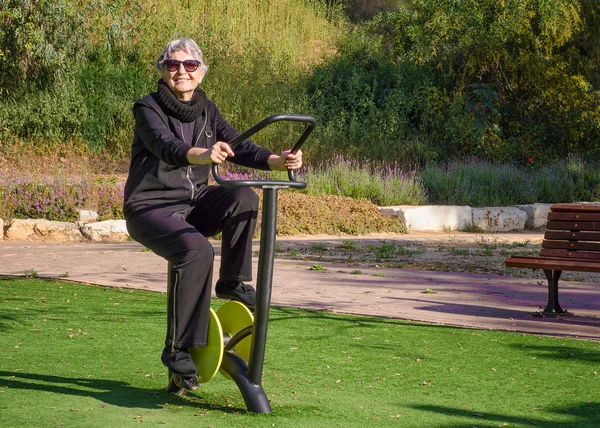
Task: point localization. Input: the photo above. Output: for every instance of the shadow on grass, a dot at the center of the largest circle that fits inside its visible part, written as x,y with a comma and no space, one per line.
579,415
545,324
560,353
6,321
282,313
112,392
347,322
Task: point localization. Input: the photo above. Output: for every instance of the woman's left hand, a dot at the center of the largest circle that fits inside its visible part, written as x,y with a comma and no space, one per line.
287,161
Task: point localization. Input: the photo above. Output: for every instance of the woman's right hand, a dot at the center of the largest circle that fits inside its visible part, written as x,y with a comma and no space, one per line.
217,154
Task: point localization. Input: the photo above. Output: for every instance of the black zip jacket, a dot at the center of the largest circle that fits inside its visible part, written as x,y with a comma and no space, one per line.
160,172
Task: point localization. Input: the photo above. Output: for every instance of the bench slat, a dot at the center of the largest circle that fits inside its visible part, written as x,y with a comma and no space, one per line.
571,216
573,225
552,264
574,236
576,208
581,255
573,246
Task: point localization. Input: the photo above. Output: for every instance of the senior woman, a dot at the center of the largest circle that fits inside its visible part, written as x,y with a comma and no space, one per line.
170,208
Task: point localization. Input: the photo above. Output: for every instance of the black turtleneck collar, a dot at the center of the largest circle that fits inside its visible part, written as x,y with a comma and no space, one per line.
183,111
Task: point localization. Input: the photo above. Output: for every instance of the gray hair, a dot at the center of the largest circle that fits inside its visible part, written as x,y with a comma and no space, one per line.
187,45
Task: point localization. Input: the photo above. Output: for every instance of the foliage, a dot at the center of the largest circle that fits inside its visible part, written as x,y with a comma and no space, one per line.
421,82
379,183
481,183
341,196
365,104
109,200
56,201
68,85
46,117
59,200
554,184
478,183
107,124
585,176
40,43
362,10
513,77
71,70
386,250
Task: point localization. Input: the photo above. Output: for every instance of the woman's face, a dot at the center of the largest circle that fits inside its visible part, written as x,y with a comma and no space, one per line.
183,83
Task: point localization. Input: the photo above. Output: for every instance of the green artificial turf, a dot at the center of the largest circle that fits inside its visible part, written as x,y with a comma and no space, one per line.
81,356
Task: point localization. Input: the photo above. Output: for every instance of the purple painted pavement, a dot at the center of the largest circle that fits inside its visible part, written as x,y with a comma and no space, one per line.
447,298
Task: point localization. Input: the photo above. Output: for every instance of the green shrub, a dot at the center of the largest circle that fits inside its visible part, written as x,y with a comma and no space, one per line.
386,250
514,79
110,90
479,183
365,104
47,116
422,82
41,43
60,201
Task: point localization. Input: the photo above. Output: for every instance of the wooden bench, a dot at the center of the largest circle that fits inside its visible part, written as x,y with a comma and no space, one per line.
571,243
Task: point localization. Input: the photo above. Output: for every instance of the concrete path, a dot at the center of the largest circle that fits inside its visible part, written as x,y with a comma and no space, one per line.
457,299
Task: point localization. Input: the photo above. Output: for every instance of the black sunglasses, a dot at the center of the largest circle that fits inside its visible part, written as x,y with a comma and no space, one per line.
190,65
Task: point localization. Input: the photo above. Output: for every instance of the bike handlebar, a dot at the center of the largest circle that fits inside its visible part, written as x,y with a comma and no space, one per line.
292,183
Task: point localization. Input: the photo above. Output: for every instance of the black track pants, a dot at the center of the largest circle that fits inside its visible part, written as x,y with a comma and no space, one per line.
178,233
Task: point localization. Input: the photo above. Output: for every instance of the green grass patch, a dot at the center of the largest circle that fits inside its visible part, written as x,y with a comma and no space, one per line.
75,355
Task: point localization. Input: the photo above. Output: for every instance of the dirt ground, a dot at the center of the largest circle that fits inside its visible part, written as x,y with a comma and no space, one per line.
60,164
437,251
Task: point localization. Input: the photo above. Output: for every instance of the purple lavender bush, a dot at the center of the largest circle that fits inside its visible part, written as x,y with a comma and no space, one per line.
479,183
55,201
109,202
381,183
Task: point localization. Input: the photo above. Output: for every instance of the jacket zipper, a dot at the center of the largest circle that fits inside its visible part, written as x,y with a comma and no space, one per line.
188,170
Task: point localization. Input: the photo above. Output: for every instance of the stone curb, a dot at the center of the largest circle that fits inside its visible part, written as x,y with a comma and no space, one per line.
461,218
62,232
416,218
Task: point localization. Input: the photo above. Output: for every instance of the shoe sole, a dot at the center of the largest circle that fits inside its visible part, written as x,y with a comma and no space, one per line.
234,298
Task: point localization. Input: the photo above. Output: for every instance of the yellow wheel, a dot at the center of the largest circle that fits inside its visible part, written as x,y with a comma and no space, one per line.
234,317
208,359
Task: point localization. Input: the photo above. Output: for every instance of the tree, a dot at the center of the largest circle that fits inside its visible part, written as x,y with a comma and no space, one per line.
507,64
41,40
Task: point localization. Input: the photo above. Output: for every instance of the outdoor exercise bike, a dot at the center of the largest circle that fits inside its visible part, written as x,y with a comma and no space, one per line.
236,339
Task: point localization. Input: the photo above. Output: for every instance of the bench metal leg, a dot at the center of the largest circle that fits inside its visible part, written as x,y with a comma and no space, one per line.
553,306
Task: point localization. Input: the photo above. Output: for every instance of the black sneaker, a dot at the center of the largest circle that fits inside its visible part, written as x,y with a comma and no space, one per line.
181,367
180,385
242,293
